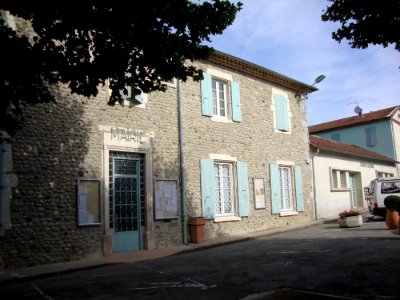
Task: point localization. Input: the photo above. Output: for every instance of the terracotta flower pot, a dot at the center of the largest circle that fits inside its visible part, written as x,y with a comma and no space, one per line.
392,219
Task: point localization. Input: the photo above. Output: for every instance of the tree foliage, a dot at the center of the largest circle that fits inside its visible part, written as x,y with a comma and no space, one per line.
365,22
87,43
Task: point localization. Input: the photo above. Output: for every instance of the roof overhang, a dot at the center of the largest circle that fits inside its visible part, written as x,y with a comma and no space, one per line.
248,68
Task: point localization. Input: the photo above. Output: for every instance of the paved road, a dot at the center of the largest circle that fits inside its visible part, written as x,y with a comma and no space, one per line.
360,263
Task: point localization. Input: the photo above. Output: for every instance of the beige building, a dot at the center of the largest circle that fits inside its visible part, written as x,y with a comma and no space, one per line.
94,179
341,171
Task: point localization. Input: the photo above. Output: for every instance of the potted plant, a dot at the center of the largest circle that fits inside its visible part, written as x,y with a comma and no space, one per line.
350,218
392,203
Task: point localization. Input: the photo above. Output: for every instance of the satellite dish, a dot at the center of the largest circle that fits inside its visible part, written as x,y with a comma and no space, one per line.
358,110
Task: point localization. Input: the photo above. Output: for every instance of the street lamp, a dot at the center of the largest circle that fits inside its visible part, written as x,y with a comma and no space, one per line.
318,79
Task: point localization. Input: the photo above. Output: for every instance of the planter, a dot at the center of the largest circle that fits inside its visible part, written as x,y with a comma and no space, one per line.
392,218
353,221
197,229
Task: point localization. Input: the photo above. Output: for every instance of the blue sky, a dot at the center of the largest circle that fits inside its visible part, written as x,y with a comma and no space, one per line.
288,37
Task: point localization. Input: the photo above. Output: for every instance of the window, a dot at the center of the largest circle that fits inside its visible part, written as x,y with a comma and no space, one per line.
370,136
224,189
285,178
281,112
220,97
390,187
220,103
340,179
335,137
286,189
383,174
224,204
134,100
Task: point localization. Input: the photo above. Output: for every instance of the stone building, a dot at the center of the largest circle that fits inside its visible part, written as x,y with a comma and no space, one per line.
94,179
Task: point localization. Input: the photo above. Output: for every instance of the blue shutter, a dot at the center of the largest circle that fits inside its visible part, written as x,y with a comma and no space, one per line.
236,110
139,98
281,113
371,136
299,188
275,188
243,189
206,95
207,188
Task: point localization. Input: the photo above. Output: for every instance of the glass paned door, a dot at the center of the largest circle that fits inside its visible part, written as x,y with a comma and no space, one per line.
126,210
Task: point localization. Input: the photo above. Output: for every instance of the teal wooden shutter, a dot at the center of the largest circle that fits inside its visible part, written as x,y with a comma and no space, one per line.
281,113
236,110
139,98
275,188
206,95
243,189
207,188
299,188
370,133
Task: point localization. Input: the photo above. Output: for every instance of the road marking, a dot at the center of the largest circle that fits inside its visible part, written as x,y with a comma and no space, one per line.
41,293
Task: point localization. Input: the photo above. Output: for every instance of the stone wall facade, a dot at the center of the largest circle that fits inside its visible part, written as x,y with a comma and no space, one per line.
74,139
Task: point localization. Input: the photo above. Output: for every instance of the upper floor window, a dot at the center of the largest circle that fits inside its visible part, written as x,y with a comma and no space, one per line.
220,96
370,136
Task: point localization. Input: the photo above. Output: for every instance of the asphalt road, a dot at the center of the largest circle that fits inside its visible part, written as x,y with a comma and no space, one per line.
322,260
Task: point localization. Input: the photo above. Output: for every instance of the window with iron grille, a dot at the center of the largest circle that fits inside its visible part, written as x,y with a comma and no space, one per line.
224,198
286,188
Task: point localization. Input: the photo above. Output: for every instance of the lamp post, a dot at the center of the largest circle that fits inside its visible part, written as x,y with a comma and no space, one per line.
318,79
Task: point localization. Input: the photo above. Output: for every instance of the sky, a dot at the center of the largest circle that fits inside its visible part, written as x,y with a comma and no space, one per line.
289,37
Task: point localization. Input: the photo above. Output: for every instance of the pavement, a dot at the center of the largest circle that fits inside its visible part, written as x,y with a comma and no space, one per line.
8,275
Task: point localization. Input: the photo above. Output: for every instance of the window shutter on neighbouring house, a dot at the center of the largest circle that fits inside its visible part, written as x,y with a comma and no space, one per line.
299,188
275,188
243,189
281,113
206,95
236,109
371,136
207,188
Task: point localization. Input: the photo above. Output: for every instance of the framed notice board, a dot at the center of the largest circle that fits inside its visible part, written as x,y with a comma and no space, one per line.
165,199
89,196
259,192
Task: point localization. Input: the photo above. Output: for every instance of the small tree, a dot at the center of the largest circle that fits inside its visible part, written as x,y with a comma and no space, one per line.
84,43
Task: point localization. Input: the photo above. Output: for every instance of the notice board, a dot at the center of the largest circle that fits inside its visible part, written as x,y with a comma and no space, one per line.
165,199
89,194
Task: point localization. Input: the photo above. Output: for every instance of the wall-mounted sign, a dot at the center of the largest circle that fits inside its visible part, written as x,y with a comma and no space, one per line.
89,196
165,199
259,192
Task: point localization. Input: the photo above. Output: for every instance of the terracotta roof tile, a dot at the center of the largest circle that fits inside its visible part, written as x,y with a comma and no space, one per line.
346,122
325,144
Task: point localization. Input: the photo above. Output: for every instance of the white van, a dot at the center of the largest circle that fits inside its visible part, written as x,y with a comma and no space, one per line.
378,190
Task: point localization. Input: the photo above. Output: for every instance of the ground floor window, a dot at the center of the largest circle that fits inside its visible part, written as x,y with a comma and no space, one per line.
340,179
286,189
223,181
224,188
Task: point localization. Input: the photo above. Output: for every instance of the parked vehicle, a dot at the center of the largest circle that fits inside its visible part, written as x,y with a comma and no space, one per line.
378,190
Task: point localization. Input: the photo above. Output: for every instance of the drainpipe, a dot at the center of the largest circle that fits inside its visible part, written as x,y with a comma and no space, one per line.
182,164
313,179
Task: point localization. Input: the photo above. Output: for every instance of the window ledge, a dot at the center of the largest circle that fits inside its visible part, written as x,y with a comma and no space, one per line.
288,213
221,119
226,219
341,190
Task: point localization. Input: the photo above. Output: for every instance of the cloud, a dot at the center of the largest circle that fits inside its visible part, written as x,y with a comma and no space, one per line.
289,37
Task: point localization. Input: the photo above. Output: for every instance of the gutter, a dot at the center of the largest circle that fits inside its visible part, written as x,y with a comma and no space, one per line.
182,164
